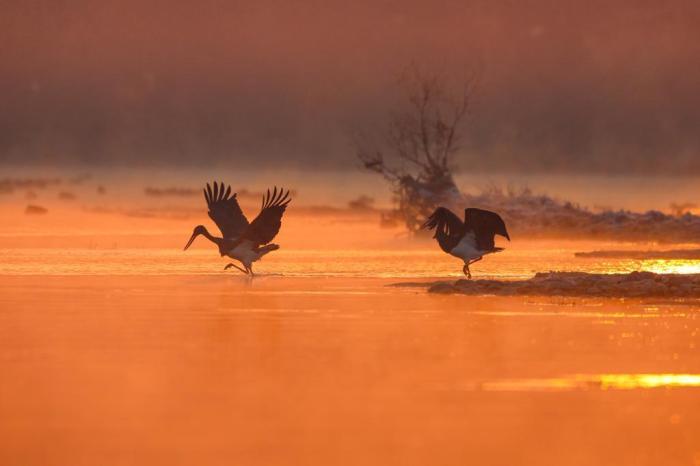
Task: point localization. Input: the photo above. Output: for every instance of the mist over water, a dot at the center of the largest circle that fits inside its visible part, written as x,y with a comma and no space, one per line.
333,187
566,87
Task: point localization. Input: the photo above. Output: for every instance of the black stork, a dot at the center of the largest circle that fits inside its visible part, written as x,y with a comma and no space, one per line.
469,240
244,241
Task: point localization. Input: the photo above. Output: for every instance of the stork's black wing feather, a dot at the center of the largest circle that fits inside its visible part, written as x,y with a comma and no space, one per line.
486,225
267,224
449,229
225,211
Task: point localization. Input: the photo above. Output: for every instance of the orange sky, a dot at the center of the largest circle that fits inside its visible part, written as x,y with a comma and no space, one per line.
601,86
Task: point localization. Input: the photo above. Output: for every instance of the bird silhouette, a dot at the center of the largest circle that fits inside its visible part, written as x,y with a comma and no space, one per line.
469,240
244,241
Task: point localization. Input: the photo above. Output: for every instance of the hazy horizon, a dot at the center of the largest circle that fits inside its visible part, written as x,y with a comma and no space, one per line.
596,87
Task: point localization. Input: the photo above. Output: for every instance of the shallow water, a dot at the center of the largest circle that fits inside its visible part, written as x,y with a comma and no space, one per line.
172,366
116,347
517,262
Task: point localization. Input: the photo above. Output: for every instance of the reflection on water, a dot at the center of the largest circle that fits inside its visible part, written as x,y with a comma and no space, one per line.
515,263
671,266
608,315
592,381
627,381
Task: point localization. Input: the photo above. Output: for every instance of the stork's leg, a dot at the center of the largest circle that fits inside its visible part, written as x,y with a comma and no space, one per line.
250,270
466,271
234,265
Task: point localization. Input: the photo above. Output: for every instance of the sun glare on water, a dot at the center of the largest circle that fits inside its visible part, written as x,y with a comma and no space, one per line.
593,381
628,381
672,266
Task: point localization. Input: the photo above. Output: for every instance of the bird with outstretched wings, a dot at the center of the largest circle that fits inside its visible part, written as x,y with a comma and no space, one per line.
225,211
242,240
470,239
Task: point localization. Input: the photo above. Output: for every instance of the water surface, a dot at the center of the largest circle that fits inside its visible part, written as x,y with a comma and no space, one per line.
166,365
118,348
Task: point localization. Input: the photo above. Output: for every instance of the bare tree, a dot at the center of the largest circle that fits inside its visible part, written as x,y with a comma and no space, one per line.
416,149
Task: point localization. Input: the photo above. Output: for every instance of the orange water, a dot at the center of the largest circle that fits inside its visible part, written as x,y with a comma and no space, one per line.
118,348
521,261
216,369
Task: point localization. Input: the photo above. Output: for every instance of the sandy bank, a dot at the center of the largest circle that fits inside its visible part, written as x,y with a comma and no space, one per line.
627,285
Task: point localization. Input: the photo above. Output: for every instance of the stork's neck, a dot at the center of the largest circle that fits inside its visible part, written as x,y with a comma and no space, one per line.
212,238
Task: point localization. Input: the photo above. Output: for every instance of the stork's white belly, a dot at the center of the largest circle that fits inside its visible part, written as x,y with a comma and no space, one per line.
466,249
244,252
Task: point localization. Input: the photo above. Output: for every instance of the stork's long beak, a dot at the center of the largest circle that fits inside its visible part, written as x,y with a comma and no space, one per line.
194,235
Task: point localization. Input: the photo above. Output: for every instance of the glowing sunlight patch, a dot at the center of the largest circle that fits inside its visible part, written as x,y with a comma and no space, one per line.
627,381
593,381
672,266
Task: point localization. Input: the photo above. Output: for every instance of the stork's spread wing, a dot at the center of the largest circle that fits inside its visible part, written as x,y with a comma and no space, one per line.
225,211
486,225
267,224
449,229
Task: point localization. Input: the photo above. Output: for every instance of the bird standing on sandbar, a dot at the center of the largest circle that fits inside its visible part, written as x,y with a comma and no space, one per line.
469,240
246,242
